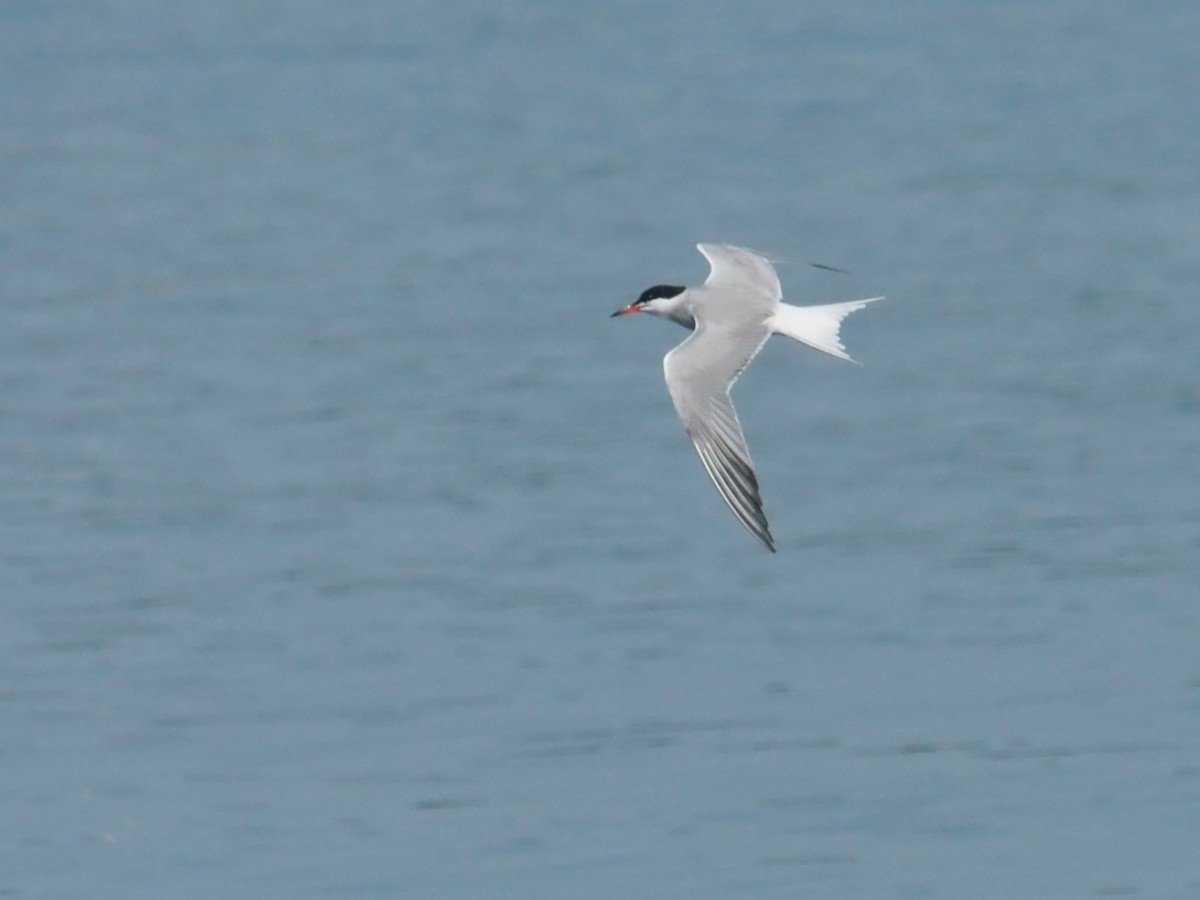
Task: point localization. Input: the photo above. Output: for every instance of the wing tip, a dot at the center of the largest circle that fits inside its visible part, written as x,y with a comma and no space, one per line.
741,497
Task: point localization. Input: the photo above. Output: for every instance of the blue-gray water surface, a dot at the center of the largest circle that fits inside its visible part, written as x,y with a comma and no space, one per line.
349,549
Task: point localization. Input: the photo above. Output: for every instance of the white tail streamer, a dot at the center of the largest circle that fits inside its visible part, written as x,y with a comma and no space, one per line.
817,326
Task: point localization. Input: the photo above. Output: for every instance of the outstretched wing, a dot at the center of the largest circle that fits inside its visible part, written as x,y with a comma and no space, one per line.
699,374
737,267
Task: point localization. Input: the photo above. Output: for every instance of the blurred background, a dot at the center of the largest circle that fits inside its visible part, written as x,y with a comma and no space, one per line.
348,548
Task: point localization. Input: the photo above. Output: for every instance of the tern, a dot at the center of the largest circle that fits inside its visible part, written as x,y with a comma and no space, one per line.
731,316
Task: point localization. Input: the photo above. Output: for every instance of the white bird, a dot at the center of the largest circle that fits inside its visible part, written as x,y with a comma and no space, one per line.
731,316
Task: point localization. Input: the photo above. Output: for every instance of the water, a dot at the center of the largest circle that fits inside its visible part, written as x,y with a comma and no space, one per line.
347,548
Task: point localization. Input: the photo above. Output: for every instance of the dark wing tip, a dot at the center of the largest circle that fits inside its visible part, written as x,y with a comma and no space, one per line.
817,265
736,483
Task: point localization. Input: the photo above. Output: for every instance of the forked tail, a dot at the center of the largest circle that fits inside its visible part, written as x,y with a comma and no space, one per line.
816,326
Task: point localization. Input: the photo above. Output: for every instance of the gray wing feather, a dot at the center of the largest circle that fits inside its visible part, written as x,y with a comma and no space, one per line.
699,374
737,267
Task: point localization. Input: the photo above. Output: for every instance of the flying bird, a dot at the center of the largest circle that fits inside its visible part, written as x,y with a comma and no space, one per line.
731,316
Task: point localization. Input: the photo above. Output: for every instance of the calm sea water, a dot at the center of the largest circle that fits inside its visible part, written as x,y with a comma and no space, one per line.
348,549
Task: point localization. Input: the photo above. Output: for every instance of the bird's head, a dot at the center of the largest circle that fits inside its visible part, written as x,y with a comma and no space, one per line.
661,300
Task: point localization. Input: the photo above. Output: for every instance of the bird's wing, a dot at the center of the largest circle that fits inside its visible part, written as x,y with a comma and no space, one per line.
737,267
699,374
